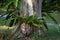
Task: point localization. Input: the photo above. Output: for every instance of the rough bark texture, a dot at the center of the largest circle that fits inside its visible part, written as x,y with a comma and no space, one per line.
28,8
31,6
37,5
25,29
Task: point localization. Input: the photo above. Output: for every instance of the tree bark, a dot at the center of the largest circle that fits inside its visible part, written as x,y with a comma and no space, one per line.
29,7
37,5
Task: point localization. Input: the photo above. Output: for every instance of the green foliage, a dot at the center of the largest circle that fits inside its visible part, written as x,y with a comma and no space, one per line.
52,18
12,8
48,5
51,5
31,20
16,3
10,4
49,15
11,23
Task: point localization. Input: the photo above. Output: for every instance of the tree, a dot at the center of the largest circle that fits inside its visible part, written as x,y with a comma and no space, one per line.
23,11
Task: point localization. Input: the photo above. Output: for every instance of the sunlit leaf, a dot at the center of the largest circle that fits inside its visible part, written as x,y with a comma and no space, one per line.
19,6
36,25
15,3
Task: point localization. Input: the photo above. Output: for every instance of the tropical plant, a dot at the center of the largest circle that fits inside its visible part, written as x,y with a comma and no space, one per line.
13,8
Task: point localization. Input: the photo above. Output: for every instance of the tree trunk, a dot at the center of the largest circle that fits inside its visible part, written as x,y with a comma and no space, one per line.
37,5
29,7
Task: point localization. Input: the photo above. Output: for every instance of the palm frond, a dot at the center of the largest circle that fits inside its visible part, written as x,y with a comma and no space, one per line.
52,18
44,23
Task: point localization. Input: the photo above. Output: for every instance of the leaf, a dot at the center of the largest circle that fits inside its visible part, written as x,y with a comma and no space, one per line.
36,25
29,19
6,4
44,23
44,14
19,6
15,3
9,15
16,21
52,18
37,20
11,23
